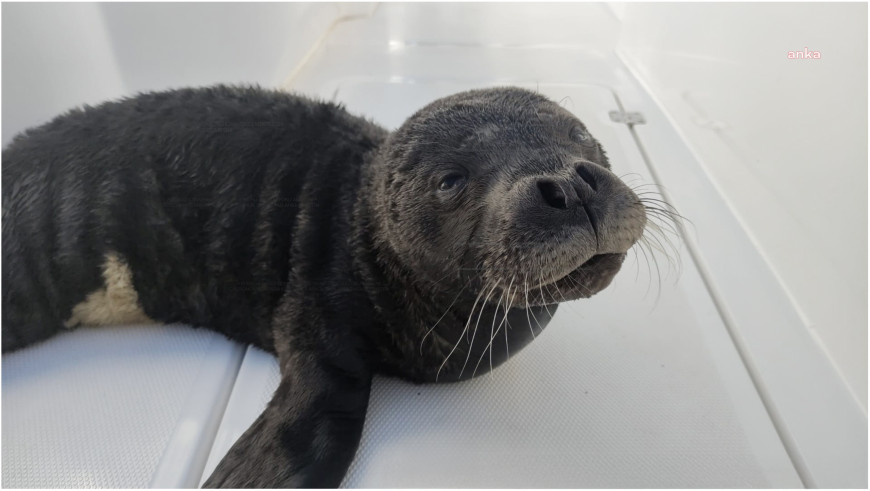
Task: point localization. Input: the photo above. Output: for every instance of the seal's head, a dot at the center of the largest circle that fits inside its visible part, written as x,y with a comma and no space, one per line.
490,206
506,190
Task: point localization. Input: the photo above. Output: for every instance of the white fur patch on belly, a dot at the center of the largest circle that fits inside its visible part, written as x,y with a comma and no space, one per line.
116,303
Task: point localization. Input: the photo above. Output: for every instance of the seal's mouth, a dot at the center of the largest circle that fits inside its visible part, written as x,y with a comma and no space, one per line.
592,264
592,276
593,261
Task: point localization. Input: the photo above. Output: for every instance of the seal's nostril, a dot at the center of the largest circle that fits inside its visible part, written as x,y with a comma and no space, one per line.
553,194
587,176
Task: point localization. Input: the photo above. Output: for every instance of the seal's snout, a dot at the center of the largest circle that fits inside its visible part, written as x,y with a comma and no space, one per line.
563,193
572,224
587,172
568,199
553,194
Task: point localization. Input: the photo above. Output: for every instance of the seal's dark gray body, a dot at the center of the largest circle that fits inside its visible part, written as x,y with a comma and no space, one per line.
290,224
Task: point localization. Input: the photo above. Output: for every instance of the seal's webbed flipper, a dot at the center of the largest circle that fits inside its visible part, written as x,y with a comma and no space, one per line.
307,435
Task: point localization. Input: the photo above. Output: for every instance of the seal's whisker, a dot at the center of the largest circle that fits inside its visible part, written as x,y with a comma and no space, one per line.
506,295
652,196
623,176
438,373
646,188
529,317
653,184
636,264
566,303
659,211
457,272
651,248
576,283
673,255
491,329
548,292
672,218
649,189
558,290
443,315
662,235
508,306
662,231
663,224
506,349
583,288
544,287
476,325
493,333
658,245
544,301
649,255
472,310
658,271
640,245
657,205
445,276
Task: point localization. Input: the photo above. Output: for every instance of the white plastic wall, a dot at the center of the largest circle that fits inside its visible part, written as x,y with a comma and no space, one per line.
57,56
784,139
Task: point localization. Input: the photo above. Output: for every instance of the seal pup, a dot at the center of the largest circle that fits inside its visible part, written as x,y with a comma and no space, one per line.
346,250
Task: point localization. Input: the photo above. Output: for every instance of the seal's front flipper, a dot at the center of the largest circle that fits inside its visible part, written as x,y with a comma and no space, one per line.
307,435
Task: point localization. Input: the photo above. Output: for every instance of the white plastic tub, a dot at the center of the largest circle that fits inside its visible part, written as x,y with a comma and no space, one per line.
716,377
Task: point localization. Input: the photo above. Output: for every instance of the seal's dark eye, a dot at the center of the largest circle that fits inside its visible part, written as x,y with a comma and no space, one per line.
580,136
451,182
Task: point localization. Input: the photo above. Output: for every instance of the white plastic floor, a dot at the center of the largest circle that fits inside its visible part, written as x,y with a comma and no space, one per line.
662,380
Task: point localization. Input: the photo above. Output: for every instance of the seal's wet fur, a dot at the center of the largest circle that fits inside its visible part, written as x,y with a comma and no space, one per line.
316,235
